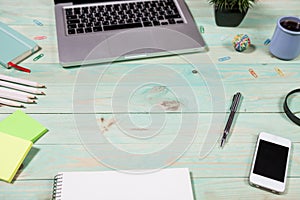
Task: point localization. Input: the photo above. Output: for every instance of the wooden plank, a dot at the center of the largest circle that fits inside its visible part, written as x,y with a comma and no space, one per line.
63,128
26,190
238,188
230,73
204,188
180,85
57,101
44,161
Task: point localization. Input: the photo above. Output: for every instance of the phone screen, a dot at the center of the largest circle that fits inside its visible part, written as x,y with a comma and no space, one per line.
271,160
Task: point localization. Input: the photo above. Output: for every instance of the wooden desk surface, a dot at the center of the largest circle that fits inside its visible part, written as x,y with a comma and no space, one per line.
170,95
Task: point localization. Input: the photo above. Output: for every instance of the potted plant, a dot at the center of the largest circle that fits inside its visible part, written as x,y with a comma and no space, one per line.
230,13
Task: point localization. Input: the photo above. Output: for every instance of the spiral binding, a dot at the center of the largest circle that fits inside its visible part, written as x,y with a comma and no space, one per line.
57,187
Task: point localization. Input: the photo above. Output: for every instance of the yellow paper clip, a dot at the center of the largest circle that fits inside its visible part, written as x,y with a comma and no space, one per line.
252,72
279,71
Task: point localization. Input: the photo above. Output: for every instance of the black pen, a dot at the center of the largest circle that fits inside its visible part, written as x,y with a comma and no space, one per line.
234,105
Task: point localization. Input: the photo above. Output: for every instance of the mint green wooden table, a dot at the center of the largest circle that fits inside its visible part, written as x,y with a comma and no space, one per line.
171,102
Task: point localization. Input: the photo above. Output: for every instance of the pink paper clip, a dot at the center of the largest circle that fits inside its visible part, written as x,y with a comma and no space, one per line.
40,37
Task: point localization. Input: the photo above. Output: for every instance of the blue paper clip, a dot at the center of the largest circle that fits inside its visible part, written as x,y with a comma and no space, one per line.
37,22
267,42
224,58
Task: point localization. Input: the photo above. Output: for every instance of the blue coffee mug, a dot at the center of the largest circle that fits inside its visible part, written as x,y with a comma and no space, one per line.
285,43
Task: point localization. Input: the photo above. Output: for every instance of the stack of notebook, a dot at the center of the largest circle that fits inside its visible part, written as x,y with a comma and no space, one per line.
18,132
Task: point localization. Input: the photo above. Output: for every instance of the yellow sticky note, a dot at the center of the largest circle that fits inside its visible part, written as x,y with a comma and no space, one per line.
13,151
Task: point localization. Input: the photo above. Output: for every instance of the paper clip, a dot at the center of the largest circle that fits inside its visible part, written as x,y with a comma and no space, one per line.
37,22
40,37
224,58
267,42
201,29
279,71
38,57
252,72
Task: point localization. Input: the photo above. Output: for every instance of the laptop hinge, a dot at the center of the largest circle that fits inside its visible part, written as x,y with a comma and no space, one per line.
74,2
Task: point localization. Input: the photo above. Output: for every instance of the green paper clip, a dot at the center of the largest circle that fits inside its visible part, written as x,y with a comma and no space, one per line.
201,29
38,57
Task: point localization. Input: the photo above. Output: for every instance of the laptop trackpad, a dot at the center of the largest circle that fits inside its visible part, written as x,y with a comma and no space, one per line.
95,47
127,43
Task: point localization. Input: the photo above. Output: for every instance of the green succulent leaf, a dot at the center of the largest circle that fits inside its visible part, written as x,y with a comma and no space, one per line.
242,5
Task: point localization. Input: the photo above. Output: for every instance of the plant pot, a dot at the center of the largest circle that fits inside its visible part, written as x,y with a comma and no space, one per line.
229,17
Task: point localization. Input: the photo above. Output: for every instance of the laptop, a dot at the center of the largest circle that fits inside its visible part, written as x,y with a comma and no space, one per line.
98,31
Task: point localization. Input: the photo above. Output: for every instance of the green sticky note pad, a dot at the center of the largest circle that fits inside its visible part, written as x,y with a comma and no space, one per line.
21,125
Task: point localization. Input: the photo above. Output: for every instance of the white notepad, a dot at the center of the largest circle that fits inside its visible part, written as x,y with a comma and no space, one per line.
166,184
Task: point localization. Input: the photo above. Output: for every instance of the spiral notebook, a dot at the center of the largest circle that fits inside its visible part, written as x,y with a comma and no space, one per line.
165,184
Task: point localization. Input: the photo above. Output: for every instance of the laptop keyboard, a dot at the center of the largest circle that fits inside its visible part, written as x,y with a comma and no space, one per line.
107,17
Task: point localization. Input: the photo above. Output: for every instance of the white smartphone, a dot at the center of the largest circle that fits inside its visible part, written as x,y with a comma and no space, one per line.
270,162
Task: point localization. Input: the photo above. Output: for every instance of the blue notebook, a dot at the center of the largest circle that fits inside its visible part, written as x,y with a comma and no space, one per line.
14,47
